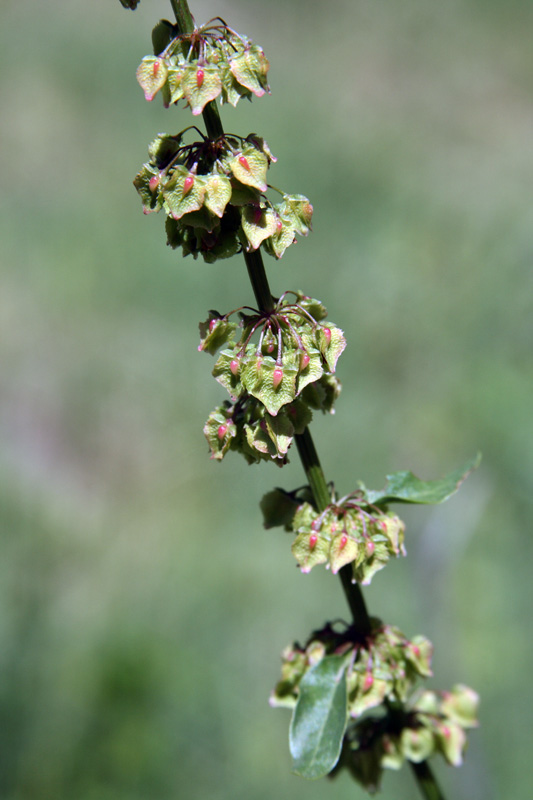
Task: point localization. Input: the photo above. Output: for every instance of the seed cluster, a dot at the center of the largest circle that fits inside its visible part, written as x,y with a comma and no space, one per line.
348,531
383,672
276,371
213,193
198,67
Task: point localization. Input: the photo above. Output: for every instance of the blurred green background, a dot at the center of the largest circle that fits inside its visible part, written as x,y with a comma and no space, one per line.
142,606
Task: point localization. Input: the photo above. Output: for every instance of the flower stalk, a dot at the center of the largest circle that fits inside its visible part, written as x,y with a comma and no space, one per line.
278,364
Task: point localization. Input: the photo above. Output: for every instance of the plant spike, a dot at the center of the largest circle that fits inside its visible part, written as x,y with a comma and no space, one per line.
214,194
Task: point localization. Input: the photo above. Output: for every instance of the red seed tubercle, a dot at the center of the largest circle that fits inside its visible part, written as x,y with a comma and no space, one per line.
221,432
155,68
369,682
277,377
313,539
343,542
199,77
327,334
304,360
188,183
234,367
243,161
153,183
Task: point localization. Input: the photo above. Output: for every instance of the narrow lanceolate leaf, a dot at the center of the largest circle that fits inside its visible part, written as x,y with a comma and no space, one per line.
319,719
404,487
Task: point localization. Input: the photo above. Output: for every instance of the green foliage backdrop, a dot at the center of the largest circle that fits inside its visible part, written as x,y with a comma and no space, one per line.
142,605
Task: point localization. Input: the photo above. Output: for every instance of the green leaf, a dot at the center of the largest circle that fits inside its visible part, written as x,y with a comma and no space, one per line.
278,508
162,35
319,719
404,487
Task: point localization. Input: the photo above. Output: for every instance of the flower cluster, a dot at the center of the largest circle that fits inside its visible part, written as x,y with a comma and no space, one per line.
384,669
276,371
384,666
431,722
198,67
348,531
213,192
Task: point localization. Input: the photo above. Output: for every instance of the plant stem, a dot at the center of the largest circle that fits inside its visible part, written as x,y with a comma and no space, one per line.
304,442
426,781
185,24
313,470
184,18
322,497
258,279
